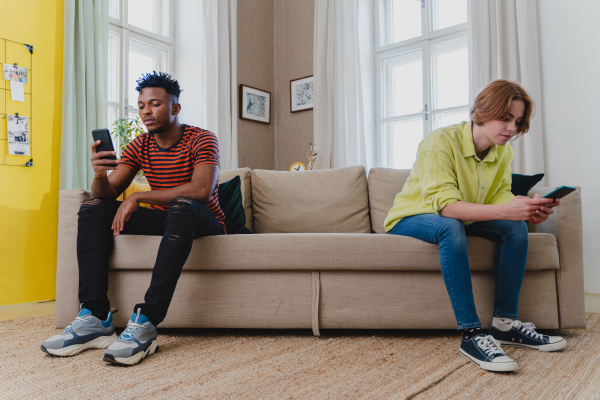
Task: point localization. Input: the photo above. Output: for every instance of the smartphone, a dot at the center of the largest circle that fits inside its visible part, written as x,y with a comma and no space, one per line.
560,192
106,144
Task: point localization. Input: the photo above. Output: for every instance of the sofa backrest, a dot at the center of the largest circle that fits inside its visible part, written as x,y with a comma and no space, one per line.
245,187
325,201
384,185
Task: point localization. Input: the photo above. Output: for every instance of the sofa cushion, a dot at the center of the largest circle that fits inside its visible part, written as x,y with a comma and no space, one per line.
322,251
384,185
230,199
332,201
245,188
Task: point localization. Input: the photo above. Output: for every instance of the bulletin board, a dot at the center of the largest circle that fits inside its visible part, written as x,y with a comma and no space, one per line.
16,117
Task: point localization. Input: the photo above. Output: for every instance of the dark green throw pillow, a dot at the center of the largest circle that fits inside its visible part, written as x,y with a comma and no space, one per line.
521,184
230,199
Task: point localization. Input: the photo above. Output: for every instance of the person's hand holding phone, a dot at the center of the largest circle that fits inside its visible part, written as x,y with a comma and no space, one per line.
100,164
544,212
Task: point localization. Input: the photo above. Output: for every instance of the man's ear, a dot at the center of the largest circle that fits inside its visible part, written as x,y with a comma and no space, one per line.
175,108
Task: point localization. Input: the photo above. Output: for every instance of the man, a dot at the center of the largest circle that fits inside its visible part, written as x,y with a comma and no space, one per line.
181,164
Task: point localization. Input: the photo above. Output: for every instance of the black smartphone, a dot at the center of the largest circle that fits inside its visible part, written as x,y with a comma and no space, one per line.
560,192
106,144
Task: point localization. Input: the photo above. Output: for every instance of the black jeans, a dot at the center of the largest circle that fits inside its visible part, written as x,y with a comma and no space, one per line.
185,221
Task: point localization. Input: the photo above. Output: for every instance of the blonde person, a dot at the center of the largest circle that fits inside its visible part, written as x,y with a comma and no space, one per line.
460,186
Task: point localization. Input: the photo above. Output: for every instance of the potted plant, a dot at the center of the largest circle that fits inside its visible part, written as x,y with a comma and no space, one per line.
125,130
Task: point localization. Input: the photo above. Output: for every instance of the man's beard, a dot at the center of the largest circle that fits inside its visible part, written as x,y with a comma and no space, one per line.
156,131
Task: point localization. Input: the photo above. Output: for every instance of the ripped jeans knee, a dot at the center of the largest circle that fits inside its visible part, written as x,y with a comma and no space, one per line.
97,207
181,218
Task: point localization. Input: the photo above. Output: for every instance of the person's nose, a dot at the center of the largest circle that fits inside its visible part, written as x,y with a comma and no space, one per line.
512,127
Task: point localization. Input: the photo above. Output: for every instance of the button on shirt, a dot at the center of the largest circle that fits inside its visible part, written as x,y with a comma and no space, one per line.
447,170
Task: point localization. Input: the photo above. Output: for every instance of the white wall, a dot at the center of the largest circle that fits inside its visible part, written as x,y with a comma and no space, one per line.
570,62
188,35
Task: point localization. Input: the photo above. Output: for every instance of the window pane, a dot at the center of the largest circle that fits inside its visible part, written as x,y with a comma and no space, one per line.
114,9
112,117
113,67
403,138
450,74
448,13
142,59
150,15
406,86
406,19
134,114
450,118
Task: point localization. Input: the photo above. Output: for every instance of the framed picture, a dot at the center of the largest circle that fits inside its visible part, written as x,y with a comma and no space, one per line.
302,94
255,104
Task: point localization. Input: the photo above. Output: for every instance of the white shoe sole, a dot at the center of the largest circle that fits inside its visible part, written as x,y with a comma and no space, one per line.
102,342
153,348
561,344
508,366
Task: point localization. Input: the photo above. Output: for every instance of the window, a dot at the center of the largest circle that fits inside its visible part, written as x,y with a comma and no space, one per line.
422,73
140,40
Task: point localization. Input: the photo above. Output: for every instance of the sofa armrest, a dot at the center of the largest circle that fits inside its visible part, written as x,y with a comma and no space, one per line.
67,271
566,225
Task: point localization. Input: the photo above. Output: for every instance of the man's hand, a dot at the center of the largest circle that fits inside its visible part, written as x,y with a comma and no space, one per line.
521,208
101,166
128,207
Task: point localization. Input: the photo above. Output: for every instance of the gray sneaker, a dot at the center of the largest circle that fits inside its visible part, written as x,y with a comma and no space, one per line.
86,332
137,342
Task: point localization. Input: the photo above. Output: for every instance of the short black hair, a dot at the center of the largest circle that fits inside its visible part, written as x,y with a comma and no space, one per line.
160,79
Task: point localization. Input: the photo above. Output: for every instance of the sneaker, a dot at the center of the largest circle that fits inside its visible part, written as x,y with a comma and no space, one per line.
86,332
523,334
486,352
137,342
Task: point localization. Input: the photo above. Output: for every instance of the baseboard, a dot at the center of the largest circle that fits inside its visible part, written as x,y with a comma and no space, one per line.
592,302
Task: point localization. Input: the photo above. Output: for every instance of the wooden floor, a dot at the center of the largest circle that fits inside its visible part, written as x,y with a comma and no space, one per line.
592,304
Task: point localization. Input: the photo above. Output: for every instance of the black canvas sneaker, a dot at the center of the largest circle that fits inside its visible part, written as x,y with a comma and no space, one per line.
486,352
523,334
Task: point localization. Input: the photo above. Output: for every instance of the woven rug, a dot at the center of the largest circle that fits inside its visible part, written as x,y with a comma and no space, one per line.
276,364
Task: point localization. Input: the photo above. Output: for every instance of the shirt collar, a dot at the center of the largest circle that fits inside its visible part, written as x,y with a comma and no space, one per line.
469,146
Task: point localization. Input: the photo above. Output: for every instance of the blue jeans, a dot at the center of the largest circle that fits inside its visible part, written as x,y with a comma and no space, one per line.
451,235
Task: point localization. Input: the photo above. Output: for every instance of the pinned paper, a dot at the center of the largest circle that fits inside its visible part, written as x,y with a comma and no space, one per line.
18,136
14,73
17,93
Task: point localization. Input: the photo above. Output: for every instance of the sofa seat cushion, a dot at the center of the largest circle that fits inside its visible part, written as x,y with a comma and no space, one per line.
322,251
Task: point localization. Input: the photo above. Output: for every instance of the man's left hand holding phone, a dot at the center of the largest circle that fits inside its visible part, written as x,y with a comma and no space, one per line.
104,158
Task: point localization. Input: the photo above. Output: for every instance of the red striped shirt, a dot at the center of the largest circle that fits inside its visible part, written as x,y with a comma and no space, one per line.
172,167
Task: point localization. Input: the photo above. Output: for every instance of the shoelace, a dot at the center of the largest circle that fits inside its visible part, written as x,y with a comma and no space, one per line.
489,345
77,320
527,328
132,328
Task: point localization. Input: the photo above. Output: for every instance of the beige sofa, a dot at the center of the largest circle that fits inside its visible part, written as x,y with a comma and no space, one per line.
319,258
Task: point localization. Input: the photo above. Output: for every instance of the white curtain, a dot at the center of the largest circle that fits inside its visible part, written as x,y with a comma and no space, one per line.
344,126
85,88
219,76
503,44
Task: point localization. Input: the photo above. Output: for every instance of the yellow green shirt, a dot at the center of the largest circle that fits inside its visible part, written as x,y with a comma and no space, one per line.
447,169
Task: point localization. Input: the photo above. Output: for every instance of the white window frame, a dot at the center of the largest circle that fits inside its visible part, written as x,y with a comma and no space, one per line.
425,44
126,33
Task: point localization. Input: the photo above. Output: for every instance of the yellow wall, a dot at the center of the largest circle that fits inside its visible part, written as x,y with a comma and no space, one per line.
29,195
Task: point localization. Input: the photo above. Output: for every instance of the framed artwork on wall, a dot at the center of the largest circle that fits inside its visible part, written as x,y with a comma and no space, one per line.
255,104
302,94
